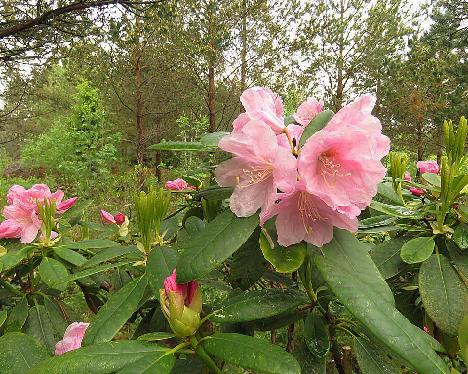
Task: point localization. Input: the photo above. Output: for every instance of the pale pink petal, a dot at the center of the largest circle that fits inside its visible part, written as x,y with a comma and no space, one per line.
177,185
72,338
57,196
107,217
228,173
428,167
307,111
245,201
240,121
407,176
29,233
284,170
14,193
65,205
295,132
10,229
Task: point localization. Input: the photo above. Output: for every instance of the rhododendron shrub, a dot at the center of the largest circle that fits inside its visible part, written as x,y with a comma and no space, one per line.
307,254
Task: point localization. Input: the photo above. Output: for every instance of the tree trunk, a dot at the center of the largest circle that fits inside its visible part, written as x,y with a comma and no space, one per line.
339,82
211,97
243,80
140,146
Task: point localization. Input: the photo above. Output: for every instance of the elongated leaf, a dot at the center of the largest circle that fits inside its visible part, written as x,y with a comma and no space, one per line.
382,220
203,252
284,260
460,236
95,270
212,139
316,335
70,256
459,258
350,274
92,244
155,336
251,353
443,293
56,316
111,253
214,193
417,250
371,360
317,124
17,316
194,225
13,258
432,178
259,304
387,257
150,364
3,317
104,358
53,273
385,189
463,337
161,263
39,326
182,146
19,353
395,211
115,312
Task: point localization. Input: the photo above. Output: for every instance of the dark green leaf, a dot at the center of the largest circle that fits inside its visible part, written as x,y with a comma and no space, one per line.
214,193
161,263
371,360
115,312
417,250
316,335
317,124
259,304
13,258
387,257
111,253
104,358
53,273
3,317
193,225
382,220
459,258
460,236
19,353
395,211
385,189
150,364
39,326
444,295
463,337
155,336
92,244
70,256
98,269
203,252
251,353
56,316
17,316
182,146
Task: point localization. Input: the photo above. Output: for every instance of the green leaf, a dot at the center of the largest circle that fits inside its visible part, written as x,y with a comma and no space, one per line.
17,316
182,146
3,317
13,258
111,253
19,353
387,257
316,335
317,124
98,269
155,336
203,252
193,225
92,244
115,312
214,193
259,304
459,258
56,316
463,337
417,250
39,326
395,211
460,236
70,256
212,139
150,364
372,360
382,220
53,273
432,178
161,263
444,295
284,260
98,359
353,278
251,353
385,189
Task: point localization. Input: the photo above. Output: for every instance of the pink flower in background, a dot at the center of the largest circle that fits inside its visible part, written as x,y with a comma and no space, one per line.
118,219
264,105
341,167
416,191
178,185
259,167
428,167
72,338
407,176
187,290
22,215
308,110
303,216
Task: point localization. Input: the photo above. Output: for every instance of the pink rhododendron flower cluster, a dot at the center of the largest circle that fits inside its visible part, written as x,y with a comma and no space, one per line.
428,167
325,183
72,338
178,185
22,213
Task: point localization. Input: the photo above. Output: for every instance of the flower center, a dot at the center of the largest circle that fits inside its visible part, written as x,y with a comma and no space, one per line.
330,170
309,212
255,174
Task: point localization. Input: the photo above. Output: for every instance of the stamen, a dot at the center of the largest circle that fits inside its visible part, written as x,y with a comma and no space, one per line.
255,174
331,170
308,211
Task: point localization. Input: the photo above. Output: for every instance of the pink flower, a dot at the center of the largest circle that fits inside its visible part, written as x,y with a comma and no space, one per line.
264,105
416,191
22,215
295,132
302,216
342,167
178,185
118,219
72,338
187,290
307,111
259,167
428,167
407,176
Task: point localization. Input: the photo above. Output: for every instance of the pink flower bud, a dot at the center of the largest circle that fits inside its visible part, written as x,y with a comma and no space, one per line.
407,176
428,167
416,191
65,205
426,329
107,217
177,185
72,338
119,218
187,290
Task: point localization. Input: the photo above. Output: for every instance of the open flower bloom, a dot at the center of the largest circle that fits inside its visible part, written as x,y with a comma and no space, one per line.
22,214
72,338
308,110
178,185
341,163
416,191
261,104
181,305
259,167
295,133
302,216
428,167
